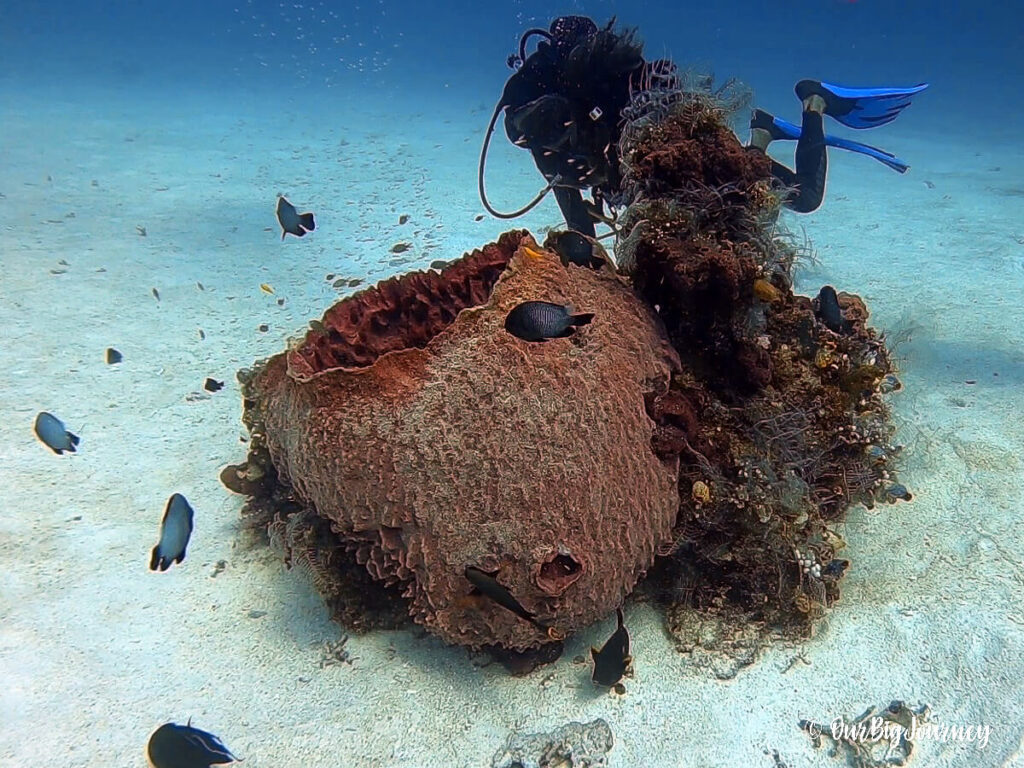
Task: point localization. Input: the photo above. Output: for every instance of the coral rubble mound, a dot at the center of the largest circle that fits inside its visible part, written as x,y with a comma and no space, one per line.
779,419
708,418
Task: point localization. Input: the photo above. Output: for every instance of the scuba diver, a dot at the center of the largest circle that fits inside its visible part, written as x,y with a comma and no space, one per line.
565,101
564,104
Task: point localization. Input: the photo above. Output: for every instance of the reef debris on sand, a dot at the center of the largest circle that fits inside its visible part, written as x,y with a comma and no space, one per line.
416,437
878,737
574,745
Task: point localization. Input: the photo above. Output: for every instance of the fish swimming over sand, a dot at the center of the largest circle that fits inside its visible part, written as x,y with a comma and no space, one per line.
542,320
51,431
574,248
292,222
612,661
827,309
182,746
175,530
488,586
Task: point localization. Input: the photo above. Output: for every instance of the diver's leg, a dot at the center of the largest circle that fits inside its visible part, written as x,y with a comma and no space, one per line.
808,180
811,158
577,217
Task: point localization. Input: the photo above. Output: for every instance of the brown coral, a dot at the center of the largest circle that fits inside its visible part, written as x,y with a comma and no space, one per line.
433,440
777,418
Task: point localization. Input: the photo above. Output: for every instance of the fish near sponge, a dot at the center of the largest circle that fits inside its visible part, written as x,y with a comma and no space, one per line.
543,320
368,420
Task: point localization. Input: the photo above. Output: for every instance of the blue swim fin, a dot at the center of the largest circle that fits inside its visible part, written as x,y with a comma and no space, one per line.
860,107
783,129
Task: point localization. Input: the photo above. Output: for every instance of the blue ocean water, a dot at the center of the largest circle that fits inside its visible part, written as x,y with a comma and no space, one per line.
972,49
187,118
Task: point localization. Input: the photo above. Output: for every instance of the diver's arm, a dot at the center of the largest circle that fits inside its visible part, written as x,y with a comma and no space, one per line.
577,217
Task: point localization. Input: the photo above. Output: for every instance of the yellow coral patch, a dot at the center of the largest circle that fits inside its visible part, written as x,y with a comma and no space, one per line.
765,291
701,492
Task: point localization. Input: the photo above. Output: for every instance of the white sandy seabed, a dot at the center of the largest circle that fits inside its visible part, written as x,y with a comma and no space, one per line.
96,651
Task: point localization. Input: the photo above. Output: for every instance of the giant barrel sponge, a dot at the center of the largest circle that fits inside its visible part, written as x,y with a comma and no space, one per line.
433,440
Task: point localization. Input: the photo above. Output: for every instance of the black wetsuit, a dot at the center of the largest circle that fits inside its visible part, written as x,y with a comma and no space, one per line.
564,104
569,115
808,180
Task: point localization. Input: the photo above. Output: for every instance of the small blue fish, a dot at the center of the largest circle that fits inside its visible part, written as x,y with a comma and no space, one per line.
827,309
613,660
175,531
487,585
182,746
292,222
51,432
542,320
